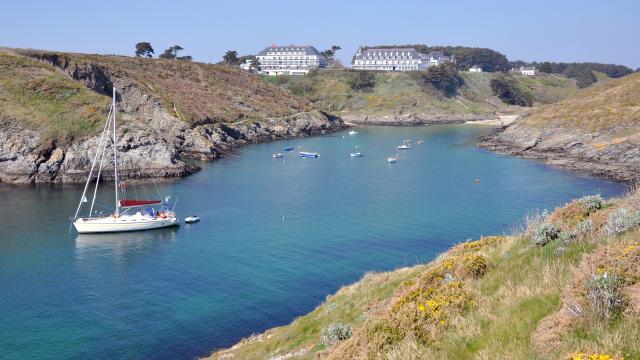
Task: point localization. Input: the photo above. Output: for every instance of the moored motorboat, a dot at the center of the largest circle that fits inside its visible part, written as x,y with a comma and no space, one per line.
356,154
305,154
191,219
277,155
288,148
403,147
392,159
352,132
122,218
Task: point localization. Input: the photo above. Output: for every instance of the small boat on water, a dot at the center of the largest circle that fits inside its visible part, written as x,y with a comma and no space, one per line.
356,154
191,219
403,147
130,214
288,148
352,132
392,159
419,141
277,155
305,154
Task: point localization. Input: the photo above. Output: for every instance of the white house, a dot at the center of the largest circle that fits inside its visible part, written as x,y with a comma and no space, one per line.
395,59
524,70
475,69
247,65
290,60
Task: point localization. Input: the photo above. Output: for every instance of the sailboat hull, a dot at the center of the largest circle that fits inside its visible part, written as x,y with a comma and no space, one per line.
112,225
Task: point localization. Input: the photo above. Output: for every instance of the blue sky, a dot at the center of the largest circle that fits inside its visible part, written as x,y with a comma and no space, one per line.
600,31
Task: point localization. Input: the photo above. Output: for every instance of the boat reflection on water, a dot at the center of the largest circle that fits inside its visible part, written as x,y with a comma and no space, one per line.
123,244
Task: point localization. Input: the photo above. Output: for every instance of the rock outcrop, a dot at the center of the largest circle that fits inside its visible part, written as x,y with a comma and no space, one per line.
596,131
153,140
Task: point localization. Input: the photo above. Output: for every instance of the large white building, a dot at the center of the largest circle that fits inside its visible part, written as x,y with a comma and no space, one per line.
290,60
396,59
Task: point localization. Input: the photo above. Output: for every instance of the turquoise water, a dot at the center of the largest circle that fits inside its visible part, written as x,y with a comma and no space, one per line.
181,293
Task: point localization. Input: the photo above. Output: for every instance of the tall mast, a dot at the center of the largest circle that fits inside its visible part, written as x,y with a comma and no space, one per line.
115,151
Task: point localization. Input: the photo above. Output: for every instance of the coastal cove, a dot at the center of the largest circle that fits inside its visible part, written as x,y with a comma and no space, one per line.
276,237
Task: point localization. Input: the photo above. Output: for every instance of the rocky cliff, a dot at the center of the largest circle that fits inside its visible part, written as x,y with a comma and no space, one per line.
52,106
597,131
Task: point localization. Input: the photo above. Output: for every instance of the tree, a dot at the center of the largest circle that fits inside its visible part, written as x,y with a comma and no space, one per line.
231,57
144,49
444,77
172,52
255,64
509,91
546,67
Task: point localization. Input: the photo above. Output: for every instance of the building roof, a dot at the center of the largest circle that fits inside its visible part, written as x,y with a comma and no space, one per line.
366,52
309,50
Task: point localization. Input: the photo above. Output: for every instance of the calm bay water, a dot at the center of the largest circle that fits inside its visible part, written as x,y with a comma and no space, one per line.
181,293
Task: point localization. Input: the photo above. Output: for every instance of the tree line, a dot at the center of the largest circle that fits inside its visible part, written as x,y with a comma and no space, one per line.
144,49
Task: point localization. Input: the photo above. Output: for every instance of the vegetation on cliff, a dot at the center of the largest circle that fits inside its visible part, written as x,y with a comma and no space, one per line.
42,98
572,296
195,92
441,93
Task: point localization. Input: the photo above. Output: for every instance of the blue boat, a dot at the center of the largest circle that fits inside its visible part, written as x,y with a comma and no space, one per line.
288,148
305,154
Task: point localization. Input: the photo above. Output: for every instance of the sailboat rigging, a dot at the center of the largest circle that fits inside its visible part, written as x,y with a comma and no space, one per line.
123,218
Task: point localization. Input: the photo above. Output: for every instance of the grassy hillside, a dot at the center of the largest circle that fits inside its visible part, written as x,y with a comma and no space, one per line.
197,92
565,286
401,93
42,98
611,105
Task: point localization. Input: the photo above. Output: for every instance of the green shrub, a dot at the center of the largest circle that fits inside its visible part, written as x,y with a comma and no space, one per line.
335,333
605,295
544,233
591,202
444,78
510,92
361,80
621,220
584,228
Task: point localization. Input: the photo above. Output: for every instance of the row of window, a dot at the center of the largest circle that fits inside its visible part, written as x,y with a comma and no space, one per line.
386,68
367,62
288,57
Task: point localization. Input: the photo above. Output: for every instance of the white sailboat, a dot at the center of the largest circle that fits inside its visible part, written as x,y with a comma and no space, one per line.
124,218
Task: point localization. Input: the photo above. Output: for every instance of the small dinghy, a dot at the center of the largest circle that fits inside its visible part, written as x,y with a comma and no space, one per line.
288,148
392,160
356,154
403,147
277,155
305,154
419,141
191,219
352,132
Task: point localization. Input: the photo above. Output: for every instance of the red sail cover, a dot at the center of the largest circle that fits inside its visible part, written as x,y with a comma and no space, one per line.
134,203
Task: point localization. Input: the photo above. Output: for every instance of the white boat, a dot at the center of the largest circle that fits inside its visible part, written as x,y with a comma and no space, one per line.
277,155
305,154
356,154
352,132
403,147
123,218
191,219
419,141
392,159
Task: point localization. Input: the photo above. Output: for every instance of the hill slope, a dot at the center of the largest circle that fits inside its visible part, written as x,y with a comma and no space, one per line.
404,98
566,288
51,105
597,130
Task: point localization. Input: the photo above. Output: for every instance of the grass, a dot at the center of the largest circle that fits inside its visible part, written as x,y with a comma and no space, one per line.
398,93
38,96
522,305
198,92
612,106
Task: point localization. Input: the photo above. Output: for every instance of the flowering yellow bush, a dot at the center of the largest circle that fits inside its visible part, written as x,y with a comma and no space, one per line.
583,356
